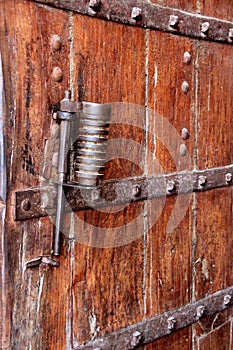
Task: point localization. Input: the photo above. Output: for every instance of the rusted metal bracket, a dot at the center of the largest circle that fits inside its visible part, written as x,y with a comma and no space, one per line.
158,326
144,14
36,202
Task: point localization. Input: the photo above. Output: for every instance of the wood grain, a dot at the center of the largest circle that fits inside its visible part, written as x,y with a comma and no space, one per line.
108,283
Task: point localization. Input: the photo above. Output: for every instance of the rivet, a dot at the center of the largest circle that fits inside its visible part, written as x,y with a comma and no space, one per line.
26,205
57,74
95,195
173,21
200,310
202,180
136,13
231,33
171,323
227,299
205,27
94,3
136,192
228,177
185,134
56,42
185,87
187,57
136,338
171,186
183,150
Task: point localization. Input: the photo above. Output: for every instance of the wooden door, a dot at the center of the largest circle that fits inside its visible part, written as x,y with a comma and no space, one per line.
154,271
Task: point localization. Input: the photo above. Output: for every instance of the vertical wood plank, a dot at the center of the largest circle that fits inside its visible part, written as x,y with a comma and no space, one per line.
109,66
214,8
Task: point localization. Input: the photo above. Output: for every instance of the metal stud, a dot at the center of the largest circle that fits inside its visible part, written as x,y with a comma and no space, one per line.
56,42
231,33
187,57
202,180
228,177
94,3
171,323
227,299
173,21
185,87
136,192
26,205
205,27
136,13
185,134
183,150
136,338
200,310
57,74
171,186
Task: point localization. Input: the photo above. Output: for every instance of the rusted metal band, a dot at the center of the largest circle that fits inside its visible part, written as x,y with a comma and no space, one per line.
37,202
147,15
158,326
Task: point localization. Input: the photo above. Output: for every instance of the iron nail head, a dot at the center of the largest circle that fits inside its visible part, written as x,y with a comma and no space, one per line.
94,3
227,299
185,87
202,180
205,27
187,57
136,338
136,191
26,205
57,74
56,42
171,186
171,323
185,134
173,21
183,150
200,310
136,13
228,177
231,33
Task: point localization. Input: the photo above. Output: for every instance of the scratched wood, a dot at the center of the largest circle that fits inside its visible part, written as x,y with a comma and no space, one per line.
214,9
108,283
220,339
28,60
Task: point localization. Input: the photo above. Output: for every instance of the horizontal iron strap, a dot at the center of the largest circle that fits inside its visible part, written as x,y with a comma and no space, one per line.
36,202
147,15
158,326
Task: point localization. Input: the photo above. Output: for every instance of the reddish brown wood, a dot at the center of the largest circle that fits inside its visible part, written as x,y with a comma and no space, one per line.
219,339
213,8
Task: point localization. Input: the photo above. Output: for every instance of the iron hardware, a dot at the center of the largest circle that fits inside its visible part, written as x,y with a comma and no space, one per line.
152,16
46,260
158,326
150,187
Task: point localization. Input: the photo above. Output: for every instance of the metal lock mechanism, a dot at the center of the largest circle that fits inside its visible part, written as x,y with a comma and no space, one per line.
84,130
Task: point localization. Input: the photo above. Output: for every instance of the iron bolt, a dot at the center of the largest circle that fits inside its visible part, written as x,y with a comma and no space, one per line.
173,21
200,311
183,150
227,299
205,27
231,33
26,205
56,42
67,95
202,180
187,57
228,177
171,186
185,87
136,338
57,74
171,323
136,13
136,191
185,134
94,3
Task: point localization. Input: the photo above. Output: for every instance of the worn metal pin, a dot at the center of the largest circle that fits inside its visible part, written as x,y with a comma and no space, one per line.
202,180
94,3
56,42
57,74
187,57
171,186
185,134
136,192
231,33
185,87
228,177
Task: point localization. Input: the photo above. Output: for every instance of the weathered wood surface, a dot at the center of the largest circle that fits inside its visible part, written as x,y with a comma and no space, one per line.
99,290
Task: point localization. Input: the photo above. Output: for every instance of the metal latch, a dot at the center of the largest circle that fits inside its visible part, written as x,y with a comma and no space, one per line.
86,149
